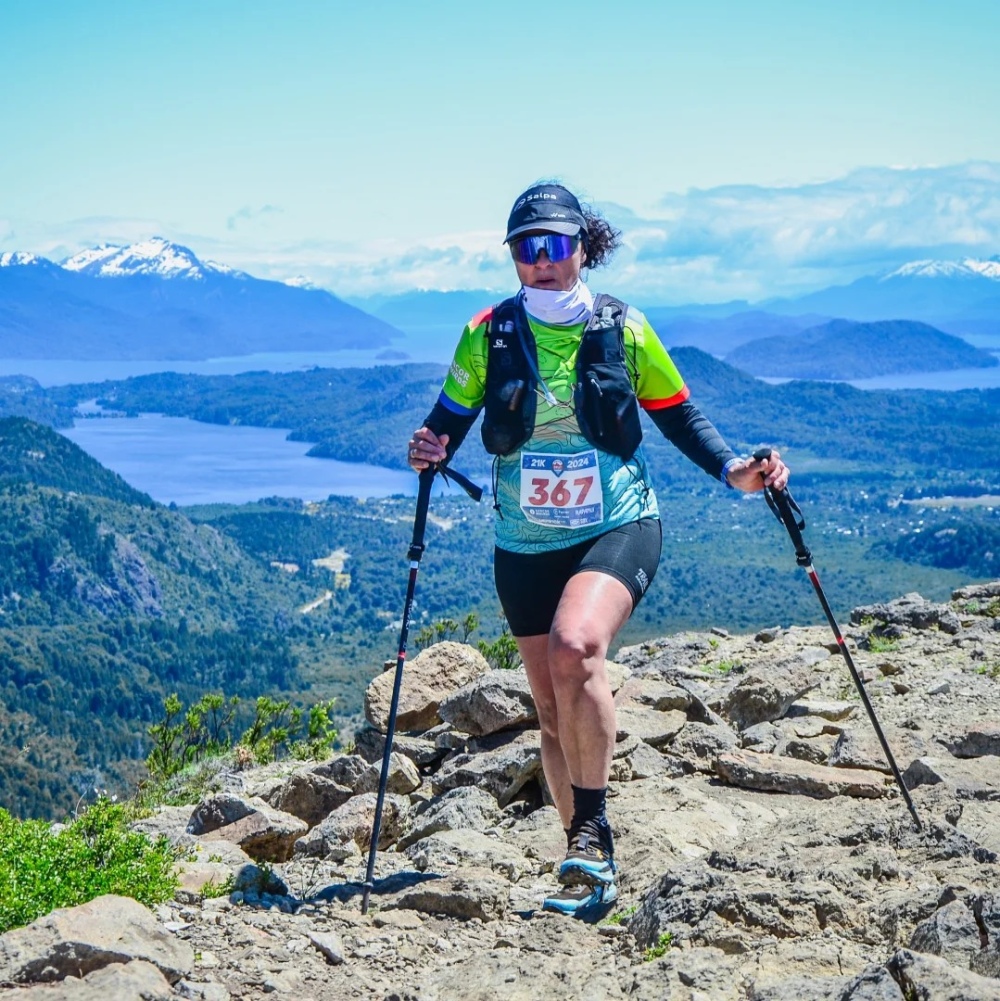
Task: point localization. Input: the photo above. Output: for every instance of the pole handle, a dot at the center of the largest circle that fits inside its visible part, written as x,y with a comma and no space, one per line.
784,508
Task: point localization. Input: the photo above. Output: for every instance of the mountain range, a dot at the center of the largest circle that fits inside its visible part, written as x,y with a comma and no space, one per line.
157,300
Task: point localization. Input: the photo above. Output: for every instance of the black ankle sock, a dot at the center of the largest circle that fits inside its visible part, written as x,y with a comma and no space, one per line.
589,808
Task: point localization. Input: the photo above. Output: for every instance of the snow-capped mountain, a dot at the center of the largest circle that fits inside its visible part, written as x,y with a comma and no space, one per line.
970,267
157,300
19,259
155,256
960,297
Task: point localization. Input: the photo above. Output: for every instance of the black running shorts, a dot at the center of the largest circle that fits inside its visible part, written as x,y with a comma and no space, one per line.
531,584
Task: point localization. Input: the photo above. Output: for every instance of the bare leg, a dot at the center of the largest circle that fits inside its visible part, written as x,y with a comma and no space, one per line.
593,607
534,653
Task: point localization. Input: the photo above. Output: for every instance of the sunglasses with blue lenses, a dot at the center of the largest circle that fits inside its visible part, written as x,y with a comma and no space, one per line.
525,249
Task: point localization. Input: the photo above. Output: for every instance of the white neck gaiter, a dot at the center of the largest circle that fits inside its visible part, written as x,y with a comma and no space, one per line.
559,308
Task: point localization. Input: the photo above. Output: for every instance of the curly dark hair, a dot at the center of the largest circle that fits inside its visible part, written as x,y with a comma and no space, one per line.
601,241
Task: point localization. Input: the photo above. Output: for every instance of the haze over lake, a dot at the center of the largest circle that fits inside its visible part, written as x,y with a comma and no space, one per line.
175,459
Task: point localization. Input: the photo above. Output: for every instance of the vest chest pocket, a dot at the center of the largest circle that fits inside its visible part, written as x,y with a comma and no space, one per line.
607,409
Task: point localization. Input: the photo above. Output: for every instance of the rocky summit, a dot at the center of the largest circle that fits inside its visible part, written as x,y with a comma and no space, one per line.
766,853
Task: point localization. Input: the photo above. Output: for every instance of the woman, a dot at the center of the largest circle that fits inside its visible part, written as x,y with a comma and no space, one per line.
560,376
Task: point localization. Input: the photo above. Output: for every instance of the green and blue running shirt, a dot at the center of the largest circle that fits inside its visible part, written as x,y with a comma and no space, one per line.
558,489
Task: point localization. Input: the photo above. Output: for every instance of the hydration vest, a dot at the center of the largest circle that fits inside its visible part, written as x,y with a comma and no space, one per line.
607,410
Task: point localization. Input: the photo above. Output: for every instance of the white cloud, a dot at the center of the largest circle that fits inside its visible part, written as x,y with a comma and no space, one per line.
735,241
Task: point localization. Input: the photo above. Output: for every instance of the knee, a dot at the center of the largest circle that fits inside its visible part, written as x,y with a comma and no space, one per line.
575,655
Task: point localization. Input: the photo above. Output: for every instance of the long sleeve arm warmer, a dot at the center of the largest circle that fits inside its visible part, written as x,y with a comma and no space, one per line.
441,421
686,427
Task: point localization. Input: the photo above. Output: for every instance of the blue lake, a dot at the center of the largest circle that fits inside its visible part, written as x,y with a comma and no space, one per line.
187,462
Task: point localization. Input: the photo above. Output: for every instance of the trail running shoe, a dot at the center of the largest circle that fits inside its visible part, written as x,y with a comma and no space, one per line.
589,903
588,862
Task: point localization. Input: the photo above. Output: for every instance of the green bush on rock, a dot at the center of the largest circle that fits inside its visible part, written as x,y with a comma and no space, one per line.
43,868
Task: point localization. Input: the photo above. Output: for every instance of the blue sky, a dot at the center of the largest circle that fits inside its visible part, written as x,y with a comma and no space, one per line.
744,149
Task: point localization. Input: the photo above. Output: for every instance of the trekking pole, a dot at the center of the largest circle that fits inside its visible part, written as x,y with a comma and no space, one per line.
416,552
788,513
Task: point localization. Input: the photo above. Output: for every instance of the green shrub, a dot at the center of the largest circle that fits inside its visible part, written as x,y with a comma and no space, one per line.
95,854
664,942
502,653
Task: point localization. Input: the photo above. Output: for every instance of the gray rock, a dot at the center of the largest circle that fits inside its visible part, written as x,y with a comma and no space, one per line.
951,933
167,821
329,944
929,978
799,988
264,833
699,745
421,749
402,779
430,677
768,773
813,749
75,941
645,761
501,765
135,981
463,808
654,727
308,795
683,650
874,983
497,700
762,696
859,747
469,849
980,740
348,829
912,610
977,592
652,693
762,737
968,778
471,894
827,709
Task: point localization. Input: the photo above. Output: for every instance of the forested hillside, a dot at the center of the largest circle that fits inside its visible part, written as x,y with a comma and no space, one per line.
109,602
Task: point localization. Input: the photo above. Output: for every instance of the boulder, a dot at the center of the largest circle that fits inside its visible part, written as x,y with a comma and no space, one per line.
75,941
264,833
859,747
347,831
420,748
762,696
428,679
402,779
469,849
463,808
825,709
474,893
652,693
497,700
654,727
699,745
117,982
170,822
501,764
967,778
911,610
768,773
980,740
308,795
929,978
950,932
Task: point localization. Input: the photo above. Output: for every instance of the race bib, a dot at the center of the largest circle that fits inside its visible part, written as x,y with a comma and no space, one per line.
561,491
